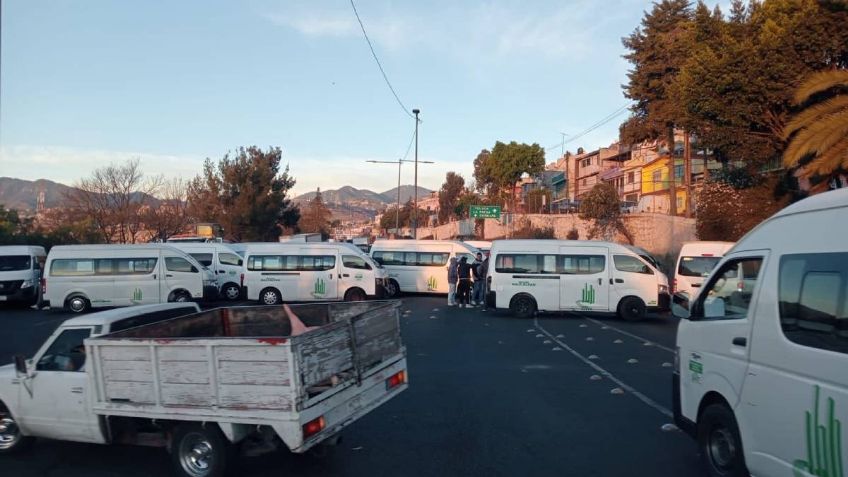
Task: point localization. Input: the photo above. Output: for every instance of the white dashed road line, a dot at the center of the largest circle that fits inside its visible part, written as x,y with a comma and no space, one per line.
630,389
627,333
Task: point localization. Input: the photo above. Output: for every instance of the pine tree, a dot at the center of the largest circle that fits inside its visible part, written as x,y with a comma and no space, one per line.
316,217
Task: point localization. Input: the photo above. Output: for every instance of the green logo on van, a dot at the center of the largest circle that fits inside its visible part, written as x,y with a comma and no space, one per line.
824,442
588,295
432,284
320,287
137,296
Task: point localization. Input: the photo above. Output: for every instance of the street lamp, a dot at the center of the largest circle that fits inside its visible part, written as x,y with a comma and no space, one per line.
399,162
415,208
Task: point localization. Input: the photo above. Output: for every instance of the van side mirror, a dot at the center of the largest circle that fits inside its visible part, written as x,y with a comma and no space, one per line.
20,365
680,305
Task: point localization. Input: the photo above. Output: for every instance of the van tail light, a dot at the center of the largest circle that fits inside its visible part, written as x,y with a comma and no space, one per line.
313,427
740,286
241,280
673,285
396,380
43,285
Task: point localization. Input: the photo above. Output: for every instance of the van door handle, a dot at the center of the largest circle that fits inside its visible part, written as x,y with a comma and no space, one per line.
222,271
77,390
740,341
346,275
168,275
600,281
154,276
619,280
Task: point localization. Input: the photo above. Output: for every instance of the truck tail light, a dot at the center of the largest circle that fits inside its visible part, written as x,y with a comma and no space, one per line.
396,380
673,285
313,427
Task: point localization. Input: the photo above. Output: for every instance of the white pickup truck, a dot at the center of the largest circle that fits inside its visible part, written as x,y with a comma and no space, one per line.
205,384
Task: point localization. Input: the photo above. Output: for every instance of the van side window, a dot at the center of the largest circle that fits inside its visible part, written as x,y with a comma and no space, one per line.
352,261
549,264
729,293
204,259
626,263
813,298
229,259
179,264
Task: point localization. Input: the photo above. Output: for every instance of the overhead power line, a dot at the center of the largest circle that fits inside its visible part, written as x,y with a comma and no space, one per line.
618,112
374,54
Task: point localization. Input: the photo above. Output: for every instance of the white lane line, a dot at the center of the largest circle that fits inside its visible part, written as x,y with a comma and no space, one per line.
627,333
645,399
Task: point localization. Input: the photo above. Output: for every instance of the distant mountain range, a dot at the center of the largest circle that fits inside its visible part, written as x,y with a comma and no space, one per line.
365,198
21,194
346,203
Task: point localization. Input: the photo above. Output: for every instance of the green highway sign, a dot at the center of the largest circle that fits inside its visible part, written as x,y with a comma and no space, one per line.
485,211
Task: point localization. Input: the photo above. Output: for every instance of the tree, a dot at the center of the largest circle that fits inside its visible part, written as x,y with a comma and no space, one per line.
726,213
818,133
390,215
498,171
114,198
449,194
170,215
247,193
538,201
657,50
316,217
602,206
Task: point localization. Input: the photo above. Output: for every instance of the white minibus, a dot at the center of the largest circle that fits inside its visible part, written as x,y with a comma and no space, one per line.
527,276
419,266
80,277
20,273
222,261
695,262
761,380
274,273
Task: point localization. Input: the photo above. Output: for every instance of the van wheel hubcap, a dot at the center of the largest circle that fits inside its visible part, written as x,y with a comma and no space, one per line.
196,455
9,432
269,298
722,448
231,293
77,304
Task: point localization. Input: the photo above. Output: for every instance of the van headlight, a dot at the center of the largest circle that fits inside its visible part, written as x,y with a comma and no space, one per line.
26,284
661,289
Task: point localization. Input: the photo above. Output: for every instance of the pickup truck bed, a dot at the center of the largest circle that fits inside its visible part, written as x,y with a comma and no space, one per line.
239,366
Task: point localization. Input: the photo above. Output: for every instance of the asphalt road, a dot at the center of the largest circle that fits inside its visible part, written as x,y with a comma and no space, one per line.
489,395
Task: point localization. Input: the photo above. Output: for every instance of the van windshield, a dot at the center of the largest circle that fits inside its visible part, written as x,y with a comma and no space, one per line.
697,266
652,261
10,263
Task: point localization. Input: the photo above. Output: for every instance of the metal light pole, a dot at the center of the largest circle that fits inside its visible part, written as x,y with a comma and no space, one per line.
399,162
415,203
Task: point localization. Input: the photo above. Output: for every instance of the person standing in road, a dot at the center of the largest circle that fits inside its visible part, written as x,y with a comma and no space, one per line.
464,286
477,290
453,275
484,271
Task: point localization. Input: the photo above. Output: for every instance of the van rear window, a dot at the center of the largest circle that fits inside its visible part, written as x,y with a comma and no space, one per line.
697,266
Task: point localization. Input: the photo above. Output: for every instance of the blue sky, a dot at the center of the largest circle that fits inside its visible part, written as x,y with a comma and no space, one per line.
85,83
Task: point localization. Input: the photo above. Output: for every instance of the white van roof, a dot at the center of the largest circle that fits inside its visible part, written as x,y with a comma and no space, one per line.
401,243
21,250
828,200
531,244
272,246
116,246
104,318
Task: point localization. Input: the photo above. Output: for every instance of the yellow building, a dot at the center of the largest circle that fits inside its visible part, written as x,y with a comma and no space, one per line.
655,185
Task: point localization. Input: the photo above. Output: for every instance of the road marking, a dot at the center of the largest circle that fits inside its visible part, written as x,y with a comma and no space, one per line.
627,333
645,399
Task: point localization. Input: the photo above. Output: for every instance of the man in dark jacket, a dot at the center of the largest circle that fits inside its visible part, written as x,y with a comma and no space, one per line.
477,290
463,287
484,271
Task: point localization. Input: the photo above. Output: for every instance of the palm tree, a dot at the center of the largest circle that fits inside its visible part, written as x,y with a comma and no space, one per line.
820,129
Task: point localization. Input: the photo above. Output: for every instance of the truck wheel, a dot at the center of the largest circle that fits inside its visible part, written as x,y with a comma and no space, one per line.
392,288
523,306
78,304
198,451
231,291
354,294
631,309
719,442
11,439
269,296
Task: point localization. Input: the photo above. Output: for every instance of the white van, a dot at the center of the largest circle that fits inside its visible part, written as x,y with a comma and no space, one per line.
484,246
527,276
20,273
695,262
419,266
222,261
79,277
274,273
762,375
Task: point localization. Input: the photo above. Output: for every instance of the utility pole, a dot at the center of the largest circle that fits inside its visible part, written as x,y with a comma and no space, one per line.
687,171
415,203
562,146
